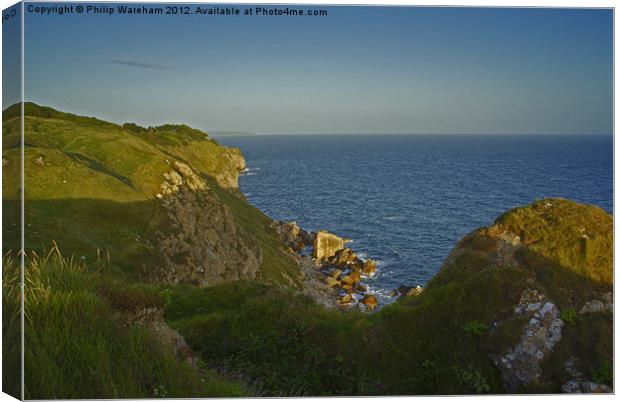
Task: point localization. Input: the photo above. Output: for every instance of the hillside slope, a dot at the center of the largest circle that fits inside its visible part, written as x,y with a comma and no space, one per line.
151,198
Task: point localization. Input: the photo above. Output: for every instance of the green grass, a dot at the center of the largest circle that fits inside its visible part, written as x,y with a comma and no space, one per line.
291,346
437,343
576,236
74,347
90,186
93,194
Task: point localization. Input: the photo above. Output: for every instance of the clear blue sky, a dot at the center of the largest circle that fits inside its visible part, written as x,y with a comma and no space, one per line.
372,69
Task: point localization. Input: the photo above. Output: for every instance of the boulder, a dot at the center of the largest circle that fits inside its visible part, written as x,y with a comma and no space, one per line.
326,245
595,306
415,291
335,273
347,298
406,291
360,288
352,278
343,257
369,268
331,282
291,234
370,301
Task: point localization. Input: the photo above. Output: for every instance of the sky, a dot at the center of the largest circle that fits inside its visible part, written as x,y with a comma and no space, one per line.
356,70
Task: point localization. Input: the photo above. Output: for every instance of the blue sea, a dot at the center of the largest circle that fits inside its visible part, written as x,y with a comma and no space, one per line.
406,200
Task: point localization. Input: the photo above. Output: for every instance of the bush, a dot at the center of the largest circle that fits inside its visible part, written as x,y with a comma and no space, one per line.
474,328
568,316
476,381
604,375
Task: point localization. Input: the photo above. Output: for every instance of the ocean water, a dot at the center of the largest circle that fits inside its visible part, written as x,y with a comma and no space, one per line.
406,200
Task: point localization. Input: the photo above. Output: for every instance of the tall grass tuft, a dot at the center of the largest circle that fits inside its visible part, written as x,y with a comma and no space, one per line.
75,348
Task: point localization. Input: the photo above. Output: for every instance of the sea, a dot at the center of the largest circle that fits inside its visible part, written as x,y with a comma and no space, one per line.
405,200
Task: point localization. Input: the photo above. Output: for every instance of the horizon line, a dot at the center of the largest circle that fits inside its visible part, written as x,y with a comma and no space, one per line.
250,132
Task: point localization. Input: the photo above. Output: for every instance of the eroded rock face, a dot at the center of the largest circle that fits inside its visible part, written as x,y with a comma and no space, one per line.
291,234
521,365
326,245
200,242
229,177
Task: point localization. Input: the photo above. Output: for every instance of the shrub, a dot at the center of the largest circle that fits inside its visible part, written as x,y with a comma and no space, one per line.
476,382
474,328
568,316
604,374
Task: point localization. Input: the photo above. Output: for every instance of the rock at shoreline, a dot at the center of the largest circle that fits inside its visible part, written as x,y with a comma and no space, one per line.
338,268
370,301
352,278
369,268
343,257
326,245
407,291
331,282
291,234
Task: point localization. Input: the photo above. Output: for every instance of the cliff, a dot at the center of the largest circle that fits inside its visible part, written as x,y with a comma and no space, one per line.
171,267
162,201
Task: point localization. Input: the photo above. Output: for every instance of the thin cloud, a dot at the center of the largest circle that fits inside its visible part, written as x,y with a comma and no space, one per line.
138,64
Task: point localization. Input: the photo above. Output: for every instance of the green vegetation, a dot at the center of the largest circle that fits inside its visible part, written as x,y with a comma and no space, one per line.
416,346
577,237
474,328
76,349
568,316
91,186
604,375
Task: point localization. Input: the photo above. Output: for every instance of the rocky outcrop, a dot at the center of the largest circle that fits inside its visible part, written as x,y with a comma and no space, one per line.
370,301
605,305
343,271
578,383
235,163
293,236
326,245
520,365
181,175
199,241
582,386
407,291
333,276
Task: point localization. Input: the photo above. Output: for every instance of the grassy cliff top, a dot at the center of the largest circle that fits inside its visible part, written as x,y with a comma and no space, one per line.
120,162
576,236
